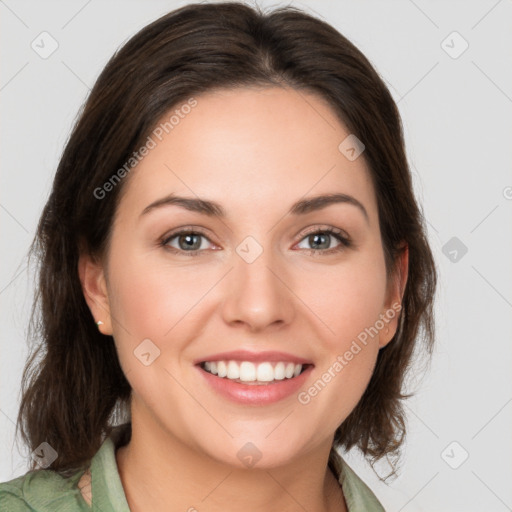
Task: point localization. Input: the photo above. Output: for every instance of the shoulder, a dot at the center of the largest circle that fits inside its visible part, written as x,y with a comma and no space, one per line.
45,490
42,490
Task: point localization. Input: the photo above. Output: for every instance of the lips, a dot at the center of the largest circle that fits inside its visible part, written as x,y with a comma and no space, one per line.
254,378
254,357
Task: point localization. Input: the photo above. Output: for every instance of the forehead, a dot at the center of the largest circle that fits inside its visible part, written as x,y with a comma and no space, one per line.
248,148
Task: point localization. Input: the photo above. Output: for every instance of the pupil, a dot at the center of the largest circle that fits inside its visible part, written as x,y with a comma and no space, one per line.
189,241
317,236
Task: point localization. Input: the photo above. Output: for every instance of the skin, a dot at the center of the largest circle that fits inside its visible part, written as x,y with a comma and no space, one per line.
254,151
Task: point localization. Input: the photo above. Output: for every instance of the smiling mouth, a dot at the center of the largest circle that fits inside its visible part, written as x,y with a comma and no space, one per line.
247,372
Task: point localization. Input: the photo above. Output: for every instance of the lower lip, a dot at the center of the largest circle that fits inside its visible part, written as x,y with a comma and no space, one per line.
256,394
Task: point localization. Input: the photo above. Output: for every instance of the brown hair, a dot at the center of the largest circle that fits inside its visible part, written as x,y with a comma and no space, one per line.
73,394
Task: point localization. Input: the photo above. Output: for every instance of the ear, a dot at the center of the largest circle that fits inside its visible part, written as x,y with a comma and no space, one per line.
94,287
394,296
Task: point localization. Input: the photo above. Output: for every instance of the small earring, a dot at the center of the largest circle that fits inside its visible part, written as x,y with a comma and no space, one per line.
98,323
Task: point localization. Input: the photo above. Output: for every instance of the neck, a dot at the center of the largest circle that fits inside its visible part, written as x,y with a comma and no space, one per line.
159,472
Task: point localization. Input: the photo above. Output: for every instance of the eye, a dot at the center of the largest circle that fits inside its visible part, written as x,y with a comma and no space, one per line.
321,239
188,242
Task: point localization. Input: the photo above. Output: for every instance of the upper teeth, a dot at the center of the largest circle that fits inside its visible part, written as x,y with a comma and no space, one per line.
250,372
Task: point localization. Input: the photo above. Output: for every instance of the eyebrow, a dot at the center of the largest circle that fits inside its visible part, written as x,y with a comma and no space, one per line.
213,209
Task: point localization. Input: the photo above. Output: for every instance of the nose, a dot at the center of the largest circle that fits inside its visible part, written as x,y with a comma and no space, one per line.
257,294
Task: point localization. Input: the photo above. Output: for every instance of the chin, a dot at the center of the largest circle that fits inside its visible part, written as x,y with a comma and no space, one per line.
258,453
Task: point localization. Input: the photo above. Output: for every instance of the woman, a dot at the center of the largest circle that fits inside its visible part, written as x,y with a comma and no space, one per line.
267,147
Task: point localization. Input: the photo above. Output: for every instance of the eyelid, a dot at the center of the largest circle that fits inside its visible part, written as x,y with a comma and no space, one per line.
184,230
324,228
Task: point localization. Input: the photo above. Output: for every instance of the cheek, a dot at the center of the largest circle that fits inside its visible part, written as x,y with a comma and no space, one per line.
151,299
347,298
156,303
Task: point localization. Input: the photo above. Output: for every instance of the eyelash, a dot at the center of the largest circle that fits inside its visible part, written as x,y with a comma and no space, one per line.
336,233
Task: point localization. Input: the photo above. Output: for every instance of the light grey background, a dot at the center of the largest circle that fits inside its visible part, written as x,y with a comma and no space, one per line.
457,114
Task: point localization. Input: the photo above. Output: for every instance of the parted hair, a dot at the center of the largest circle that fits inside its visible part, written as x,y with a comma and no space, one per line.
73,388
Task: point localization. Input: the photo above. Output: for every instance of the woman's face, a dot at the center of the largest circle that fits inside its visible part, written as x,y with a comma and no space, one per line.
247,282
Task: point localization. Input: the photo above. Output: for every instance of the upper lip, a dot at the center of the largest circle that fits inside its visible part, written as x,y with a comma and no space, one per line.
256,357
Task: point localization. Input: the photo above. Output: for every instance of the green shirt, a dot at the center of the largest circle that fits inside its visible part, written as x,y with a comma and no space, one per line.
45,490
